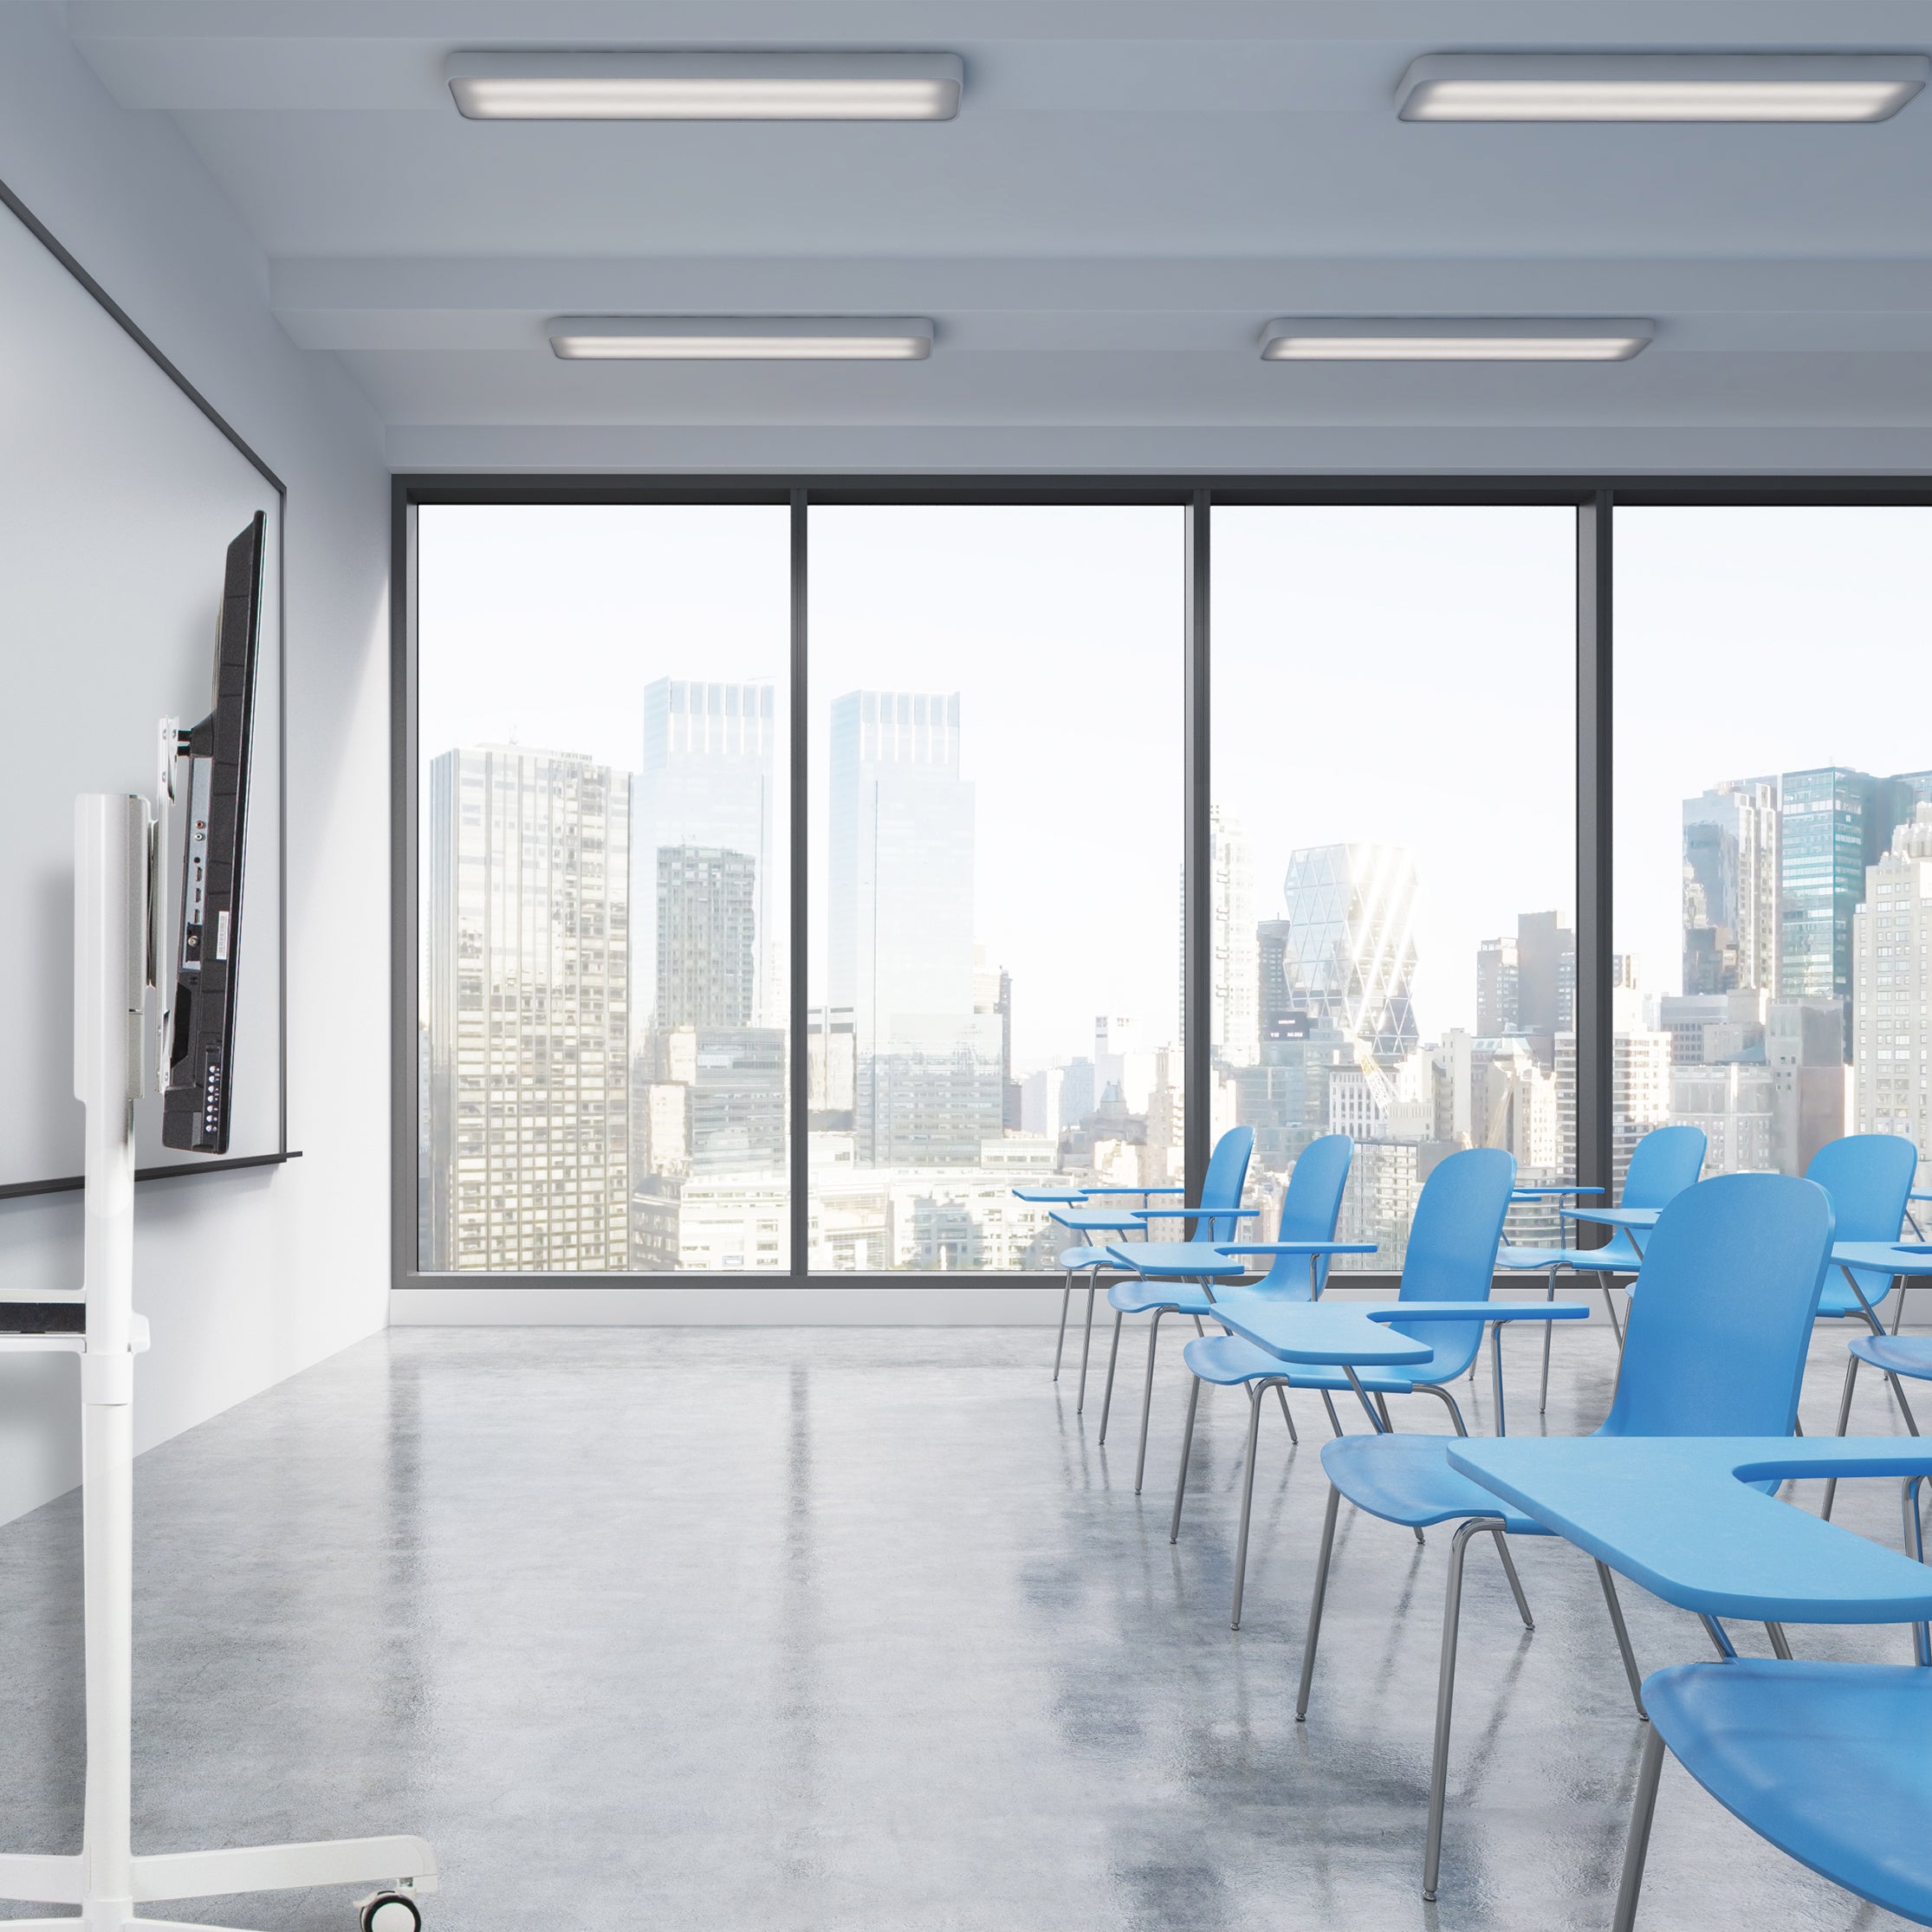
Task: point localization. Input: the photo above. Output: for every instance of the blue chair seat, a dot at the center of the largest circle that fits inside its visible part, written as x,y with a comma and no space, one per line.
1837,1300
1227,1361
1141,1298
1616,1257
1407,1479
1832,1762
1072,1258
1896,1354
1178,1260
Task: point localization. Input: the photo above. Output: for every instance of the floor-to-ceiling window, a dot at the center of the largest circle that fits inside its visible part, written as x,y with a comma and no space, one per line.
995,812
1772,827
603,874
646,1042
1393,843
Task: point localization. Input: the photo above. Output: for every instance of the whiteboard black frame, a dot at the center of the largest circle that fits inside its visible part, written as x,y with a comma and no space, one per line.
68,1182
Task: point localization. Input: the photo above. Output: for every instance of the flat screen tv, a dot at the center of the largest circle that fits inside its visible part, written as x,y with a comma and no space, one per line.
195,1104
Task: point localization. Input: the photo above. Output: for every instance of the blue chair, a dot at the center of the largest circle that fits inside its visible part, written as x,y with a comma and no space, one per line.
1450,1257
1869,1178
1213,1218
1731,1278
1829,1761
1665,1162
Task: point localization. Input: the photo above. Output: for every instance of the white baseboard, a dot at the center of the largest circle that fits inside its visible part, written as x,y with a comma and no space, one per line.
1019,1305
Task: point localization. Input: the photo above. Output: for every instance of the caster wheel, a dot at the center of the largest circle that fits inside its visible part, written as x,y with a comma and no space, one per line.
391,1912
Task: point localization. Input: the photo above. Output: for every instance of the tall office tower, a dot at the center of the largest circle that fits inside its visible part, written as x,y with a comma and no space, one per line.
529,982
1274,997
1891,987
1731,885
1545,948
1827,831
1237,1033
1351,946
900,930
707,936
1495,988
707,781
899,872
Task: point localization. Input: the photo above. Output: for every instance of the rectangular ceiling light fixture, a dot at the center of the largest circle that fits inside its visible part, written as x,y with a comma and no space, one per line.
728,86
741,338
1659,87
1323,338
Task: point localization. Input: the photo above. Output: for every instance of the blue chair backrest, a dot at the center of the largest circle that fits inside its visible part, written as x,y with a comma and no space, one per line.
1221,1187
1309,1211
1452,1248
1869,1178
1665,1162
1662,1164
1716,1342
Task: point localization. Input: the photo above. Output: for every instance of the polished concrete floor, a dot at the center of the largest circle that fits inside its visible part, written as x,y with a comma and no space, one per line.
804,1630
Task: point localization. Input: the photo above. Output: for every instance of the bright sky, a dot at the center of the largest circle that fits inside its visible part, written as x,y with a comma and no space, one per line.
1399,674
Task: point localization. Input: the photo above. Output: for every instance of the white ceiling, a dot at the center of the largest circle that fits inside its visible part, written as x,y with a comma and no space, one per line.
1132,188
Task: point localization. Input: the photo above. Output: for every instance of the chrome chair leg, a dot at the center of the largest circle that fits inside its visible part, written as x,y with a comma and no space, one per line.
1515,1581
1624,1919
1313,1635
1106,1400
1147,1397
1187,1450
1281,1396
1328,1402
1611,1306
1495,1370
1543,1399
1437,1389
1445,1697
1086,1344
1065,1302
1781,1645
1255,1393
1624,1649
1845,1421
1716,1631
1382,1406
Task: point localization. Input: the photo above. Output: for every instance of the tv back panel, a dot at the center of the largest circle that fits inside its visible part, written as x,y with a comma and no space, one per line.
196,1104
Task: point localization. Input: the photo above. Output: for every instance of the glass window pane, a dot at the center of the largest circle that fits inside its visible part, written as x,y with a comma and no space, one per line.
995,835
1773,828
605,888
1393,699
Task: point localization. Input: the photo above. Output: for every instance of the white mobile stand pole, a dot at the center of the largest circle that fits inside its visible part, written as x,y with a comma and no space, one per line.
113,857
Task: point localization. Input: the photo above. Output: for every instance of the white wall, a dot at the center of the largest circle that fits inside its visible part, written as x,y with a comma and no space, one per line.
247,1277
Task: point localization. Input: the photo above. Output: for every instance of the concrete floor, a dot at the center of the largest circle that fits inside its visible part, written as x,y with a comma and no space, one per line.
819,1629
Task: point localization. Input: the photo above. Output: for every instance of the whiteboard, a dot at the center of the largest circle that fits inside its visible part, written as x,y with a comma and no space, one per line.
118,499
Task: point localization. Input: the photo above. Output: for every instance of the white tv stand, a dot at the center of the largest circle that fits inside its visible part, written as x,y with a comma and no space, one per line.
114,857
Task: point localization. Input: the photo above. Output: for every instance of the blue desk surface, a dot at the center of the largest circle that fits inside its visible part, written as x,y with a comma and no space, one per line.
1548,1193
1618,1217
1330,1333
1097,1221
1674,1514
1061,1196
1174,1260
1883,1257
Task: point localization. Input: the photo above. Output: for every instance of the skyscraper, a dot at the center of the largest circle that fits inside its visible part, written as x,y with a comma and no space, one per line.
1275,998
1892,986
527,1006
1351,945
707,936
1731,886
1235,1035
706,781
899,929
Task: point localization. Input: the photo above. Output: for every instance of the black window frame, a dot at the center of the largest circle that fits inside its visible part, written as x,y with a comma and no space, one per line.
1594,498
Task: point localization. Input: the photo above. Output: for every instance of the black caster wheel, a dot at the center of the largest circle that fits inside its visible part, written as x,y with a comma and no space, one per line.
391,1912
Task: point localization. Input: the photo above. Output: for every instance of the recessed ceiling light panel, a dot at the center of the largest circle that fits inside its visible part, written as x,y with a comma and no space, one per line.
740,338
1324,338
725,86
1660,87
